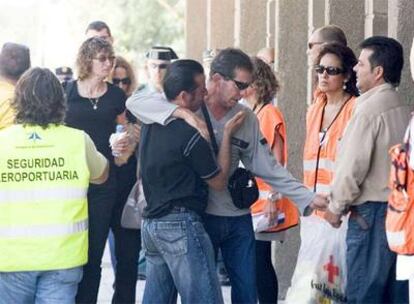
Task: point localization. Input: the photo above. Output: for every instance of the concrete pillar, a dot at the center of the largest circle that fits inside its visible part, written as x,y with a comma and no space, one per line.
316,19
270,23
196,29
291,64
220,23
376,17
250,25
401,27
349,15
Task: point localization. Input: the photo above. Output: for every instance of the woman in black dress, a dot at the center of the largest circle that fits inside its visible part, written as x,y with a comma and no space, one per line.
96,106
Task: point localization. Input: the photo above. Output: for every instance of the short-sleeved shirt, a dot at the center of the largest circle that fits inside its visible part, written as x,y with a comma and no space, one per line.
96,161
175,160
99,124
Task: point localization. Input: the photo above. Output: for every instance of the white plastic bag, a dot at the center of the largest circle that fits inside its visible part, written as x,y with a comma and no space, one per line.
320,273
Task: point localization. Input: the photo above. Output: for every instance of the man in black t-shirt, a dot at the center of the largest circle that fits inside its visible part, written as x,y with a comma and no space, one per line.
176,165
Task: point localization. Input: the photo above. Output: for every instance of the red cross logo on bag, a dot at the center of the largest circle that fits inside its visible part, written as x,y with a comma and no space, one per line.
332,269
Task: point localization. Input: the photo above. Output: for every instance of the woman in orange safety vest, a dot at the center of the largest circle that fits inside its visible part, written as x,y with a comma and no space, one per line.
328,116
259,97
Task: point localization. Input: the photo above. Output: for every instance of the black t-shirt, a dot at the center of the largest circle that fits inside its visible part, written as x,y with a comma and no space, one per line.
99,124
174,160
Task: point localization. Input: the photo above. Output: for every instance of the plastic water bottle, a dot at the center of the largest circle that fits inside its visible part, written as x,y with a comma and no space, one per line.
120,133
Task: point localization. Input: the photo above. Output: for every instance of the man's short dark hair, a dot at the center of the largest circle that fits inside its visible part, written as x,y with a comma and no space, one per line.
98,26
180,76
14,60
387,53
228,61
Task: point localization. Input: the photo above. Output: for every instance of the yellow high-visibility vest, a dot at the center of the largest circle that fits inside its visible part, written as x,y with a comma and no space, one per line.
44,180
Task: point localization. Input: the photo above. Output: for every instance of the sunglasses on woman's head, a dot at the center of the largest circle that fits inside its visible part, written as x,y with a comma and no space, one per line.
331,71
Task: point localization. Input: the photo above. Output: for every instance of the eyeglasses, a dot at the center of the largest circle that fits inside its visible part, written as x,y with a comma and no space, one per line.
312,44
104,58
159,66
239,84
331,71
124,81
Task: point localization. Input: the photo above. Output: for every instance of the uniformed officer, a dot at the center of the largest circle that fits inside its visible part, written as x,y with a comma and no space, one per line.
158,59
45,170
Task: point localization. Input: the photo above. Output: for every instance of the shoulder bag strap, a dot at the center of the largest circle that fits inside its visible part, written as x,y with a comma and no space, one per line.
210,128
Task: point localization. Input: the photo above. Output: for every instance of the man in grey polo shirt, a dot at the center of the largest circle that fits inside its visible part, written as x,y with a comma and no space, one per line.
231,228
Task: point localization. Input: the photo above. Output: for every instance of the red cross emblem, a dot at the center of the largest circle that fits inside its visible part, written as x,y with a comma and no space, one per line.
332,269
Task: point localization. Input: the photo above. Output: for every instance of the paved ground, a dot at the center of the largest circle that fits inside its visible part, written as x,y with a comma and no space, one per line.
105,290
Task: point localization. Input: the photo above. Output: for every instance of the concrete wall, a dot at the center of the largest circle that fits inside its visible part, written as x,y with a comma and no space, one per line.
401,27
196,29
250,25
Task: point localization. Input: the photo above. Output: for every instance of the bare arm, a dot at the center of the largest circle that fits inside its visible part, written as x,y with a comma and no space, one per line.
102,178
126,146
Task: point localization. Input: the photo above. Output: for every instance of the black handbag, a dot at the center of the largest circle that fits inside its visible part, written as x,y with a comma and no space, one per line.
242,185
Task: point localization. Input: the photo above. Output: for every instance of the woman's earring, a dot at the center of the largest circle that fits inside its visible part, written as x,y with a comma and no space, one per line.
344,86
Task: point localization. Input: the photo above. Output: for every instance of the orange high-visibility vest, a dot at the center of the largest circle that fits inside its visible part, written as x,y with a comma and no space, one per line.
320,151
271,121
400,213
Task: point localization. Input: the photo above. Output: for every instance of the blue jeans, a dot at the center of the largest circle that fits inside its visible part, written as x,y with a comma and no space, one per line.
179,257
370,263
234,236
48,287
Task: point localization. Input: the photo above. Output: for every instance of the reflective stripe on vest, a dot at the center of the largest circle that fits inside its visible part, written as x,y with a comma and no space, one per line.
44,230
324,163
319,160
58,195
44,218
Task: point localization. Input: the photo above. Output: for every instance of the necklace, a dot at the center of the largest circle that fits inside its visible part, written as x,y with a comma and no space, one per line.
94,102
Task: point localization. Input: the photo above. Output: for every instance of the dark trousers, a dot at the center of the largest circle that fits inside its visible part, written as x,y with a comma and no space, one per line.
105,204
370,263
235,237
266,279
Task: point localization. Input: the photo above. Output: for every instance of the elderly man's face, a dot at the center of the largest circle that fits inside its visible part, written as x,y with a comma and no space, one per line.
314,47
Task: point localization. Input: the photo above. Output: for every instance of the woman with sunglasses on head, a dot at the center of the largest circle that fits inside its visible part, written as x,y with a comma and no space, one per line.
328,116
96,106
259,96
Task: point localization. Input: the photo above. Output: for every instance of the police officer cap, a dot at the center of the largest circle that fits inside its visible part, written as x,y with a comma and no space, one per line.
63,71
162,53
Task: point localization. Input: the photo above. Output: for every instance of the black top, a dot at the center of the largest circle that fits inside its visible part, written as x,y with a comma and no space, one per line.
174,161
99,124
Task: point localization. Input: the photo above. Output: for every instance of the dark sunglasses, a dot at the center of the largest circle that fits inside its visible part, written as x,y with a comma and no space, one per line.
312,44
332,71
161,66
103,58
124,81
239,84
